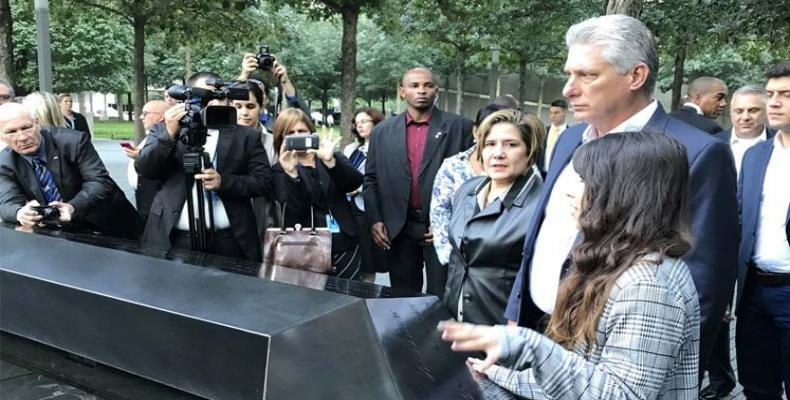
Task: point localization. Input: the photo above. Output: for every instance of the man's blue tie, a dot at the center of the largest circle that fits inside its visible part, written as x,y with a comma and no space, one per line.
46,181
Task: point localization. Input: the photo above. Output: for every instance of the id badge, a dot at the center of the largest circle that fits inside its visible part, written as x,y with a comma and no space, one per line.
331,224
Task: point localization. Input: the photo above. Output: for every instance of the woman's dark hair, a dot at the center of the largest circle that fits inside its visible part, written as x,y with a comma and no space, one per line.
255,90
634,204
375,115
487,110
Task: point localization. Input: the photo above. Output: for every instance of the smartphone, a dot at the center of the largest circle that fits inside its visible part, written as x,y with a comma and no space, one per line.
301,142
127,145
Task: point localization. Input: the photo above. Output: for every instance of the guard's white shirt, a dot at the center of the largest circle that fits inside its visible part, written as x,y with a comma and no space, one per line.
771,250
740,145
221,220
559,229
550,148
695,107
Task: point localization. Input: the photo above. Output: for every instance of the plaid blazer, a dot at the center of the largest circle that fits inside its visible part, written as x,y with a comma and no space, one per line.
647,346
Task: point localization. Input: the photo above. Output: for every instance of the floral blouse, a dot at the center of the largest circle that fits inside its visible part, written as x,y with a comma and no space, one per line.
452,174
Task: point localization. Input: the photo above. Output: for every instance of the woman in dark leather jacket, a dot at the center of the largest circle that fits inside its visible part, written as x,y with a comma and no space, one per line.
319,179
490,218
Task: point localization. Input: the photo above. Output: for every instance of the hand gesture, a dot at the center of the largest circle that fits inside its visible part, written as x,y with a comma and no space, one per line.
326,149
132,153
288,162
172,116
470,338
27,216
211,179
66,211
280,73
248,65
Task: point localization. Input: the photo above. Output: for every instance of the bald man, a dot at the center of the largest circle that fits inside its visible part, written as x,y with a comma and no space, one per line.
57,167
145,189
707,97
404,155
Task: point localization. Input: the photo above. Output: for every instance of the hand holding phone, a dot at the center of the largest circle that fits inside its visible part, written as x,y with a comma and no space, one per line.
127,145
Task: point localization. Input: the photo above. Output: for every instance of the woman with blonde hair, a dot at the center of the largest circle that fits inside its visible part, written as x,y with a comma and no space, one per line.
489,213
45,106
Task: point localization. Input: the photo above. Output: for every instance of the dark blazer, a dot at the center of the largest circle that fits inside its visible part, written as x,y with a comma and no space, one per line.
689,115
725,135
323,188
714,222
387,182
750,190
486,247
245,172
80,123
81,178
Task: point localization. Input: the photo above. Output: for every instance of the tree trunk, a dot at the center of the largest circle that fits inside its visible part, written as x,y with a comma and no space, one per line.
139,75
130,106
627,7
348,72
677,81
187,63
370,102
446,102
384,105
6,42
522,79
460,76
324,106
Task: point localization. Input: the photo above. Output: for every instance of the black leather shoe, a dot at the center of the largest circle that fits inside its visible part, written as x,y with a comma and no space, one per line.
711,393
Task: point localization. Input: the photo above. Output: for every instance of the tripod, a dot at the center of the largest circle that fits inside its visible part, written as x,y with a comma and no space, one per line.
201,235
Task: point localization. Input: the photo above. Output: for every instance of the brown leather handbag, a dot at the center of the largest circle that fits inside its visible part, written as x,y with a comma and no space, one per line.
307,250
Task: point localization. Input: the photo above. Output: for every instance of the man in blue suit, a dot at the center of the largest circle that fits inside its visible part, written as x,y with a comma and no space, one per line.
762,332
612,67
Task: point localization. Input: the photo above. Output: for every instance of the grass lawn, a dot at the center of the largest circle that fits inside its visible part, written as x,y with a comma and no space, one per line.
124,130
114,130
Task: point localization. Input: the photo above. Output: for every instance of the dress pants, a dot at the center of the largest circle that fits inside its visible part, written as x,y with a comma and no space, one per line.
406,257
762,337
225,243
720,373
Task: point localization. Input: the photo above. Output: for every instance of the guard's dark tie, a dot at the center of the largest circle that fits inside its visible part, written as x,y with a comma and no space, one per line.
46,181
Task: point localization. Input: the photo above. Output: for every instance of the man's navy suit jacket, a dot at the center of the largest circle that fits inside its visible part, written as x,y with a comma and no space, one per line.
714,220
750,190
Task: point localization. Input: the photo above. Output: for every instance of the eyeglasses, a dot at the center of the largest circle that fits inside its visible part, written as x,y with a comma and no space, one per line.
15,134
146,113
5,97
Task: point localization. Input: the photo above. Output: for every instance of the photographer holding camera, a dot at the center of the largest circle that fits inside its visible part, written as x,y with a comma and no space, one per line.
53,176
266,62
312,178
237,172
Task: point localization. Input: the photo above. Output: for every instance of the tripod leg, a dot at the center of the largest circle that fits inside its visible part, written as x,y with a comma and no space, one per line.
190,181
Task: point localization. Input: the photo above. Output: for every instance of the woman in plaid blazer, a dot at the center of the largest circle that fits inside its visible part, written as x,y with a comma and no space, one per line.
626,321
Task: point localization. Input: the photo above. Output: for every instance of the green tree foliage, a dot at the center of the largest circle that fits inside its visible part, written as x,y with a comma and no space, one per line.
90,51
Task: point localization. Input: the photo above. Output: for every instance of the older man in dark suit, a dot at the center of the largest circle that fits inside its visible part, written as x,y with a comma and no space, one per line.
240,171
57,167
707,97
404,155
612,67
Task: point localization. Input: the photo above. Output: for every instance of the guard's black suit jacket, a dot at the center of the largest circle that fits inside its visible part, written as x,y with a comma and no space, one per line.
245,172
80,123
387,181
81,178
690,116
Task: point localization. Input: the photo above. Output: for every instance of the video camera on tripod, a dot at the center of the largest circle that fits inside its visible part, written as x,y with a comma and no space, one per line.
201,117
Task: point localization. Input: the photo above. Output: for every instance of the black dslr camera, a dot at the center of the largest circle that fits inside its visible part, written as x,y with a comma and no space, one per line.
200,117
48,213
265,60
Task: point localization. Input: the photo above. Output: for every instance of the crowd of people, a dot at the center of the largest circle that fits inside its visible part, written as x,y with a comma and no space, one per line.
597,260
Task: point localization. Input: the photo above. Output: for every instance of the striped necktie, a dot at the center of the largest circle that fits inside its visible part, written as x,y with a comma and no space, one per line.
46,181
